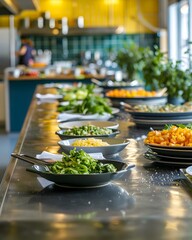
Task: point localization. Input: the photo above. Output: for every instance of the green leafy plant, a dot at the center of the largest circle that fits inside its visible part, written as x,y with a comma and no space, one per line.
177,81
130,60
160,72
152,69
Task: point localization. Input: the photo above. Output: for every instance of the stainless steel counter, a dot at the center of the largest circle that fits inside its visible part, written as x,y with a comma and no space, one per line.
147,205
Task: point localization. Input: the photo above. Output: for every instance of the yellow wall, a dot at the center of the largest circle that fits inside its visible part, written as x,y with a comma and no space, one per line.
99,13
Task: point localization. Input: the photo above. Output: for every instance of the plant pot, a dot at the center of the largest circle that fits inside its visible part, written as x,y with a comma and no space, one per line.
175,100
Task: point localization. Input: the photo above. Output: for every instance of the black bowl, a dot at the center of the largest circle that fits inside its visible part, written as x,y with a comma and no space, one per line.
83,180
62,136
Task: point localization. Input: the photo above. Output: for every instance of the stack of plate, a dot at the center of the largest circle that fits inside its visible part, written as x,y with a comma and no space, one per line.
159,119
170,155
158,100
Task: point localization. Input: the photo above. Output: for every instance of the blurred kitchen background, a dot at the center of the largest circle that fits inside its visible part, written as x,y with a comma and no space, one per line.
74,32
77,30
69,33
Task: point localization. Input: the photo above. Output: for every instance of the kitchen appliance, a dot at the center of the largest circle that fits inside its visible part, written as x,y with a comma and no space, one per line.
7,59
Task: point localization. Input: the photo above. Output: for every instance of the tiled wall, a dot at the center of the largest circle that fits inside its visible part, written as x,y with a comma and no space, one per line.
72,47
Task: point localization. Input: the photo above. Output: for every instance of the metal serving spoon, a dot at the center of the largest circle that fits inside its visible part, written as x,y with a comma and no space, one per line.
41,168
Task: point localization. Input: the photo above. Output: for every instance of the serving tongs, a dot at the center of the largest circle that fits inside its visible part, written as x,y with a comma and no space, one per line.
97,82
127,107
161,92
32,160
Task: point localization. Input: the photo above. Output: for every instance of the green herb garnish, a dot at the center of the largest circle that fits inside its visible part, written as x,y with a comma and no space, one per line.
168,126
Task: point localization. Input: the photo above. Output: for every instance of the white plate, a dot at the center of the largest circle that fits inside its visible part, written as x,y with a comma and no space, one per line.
67,116
107,124
48,96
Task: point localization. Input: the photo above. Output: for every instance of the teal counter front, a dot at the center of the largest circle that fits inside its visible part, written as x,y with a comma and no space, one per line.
19,92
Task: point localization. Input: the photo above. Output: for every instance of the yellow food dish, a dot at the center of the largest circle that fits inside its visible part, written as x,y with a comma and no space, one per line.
38,65
175,136
89,142
124,93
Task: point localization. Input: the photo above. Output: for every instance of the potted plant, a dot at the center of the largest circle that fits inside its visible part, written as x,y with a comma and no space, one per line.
130,60
177,82
152,69
160,72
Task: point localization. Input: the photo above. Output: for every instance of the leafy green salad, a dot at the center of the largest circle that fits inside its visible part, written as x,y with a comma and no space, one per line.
88,130
90,105
79,162
78,92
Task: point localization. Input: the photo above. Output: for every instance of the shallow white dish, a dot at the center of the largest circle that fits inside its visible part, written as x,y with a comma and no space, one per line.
108,124
115,146
67,116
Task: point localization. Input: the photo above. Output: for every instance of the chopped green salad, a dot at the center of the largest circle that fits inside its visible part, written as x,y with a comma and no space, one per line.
79,162
88,130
